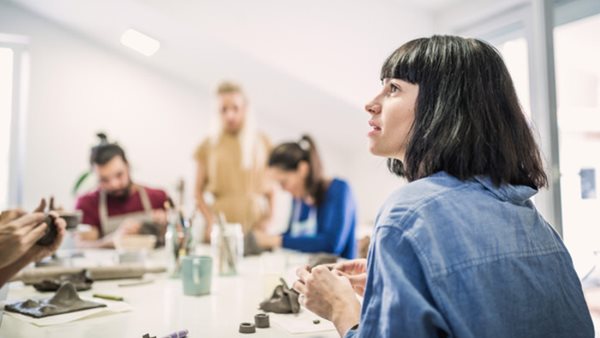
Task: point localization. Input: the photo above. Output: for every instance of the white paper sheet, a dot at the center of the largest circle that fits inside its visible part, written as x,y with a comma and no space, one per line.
301,322
111,308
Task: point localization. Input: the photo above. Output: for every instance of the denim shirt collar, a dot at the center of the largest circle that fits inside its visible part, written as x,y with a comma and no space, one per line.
510,193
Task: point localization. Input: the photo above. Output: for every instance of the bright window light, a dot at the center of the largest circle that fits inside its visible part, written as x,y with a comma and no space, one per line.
140,42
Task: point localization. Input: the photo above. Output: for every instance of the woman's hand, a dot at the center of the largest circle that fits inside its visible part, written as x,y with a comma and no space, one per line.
265,240
18,234
18,239
329,295
356,272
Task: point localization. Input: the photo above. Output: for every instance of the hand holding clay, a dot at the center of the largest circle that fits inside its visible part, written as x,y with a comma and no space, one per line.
18,235
159,216
328,295
129,227
38,252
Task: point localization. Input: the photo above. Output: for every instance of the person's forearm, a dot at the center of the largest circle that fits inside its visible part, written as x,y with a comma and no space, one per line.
344,317
7,272
274,241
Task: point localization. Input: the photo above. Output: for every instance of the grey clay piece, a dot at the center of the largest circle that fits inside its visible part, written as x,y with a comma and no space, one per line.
247,328
50,233
261,321
81,281
283,300
66,300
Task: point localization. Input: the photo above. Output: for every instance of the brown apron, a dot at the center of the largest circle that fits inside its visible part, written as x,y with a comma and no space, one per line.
110,223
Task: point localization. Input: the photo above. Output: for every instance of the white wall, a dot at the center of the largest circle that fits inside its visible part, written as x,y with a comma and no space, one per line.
313,73
78,88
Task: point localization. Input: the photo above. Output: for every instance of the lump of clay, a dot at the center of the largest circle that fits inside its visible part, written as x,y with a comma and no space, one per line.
81,281
252,248
322,258
283,300
51,232
65,300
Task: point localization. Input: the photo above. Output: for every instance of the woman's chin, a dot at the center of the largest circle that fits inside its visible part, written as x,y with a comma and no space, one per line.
375,150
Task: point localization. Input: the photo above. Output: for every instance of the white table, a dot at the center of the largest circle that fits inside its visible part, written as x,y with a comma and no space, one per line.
161,308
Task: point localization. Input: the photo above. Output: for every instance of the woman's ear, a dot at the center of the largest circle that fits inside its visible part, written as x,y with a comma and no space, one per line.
303,169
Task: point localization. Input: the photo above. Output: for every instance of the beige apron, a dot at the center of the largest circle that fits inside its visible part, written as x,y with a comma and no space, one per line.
110,223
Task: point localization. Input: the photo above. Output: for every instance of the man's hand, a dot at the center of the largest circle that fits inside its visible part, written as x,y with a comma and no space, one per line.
129,227
159,216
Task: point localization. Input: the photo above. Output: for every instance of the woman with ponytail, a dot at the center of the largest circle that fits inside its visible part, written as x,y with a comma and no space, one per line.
323,215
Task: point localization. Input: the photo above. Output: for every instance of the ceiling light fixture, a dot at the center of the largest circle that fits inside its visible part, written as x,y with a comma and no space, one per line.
140,42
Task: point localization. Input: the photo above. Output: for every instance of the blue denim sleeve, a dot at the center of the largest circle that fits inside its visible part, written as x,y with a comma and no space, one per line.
351,334
397,299
333,231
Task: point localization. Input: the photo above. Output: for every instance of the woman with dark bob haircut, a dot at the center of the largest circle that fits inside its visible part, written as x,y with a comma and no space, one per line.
459,251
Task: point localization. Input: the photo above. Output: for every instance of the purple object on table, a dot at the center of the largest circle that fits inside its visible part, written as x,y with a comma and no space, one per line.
180,334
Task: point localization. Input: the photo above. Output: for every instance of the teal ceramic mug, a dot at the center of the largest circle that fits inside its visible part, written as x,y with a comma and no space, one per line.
196,274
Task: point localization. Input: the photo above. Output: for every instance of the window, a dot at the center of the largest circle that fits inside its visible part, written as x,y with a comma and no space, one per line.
13,89
6,94
578,114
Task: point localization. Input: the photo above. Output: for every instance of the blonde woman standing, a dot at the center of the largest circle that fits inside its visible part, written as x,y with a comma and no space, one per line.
232,165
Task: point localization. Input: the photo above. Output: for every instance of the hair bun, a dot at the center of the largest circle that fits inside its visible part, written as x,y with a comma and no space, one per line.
304,144
103,139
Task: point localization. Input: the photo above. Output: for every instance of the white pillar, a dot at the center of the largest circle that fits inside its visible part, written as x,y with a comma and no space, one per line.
543,90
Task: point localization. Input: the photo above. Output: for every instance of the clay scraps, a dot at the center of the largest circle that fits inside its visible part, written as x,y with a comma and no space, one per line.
283,300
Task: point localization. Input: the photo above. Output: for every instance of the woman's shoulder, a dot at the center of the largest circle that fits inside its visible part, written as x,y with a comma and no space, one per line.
337,185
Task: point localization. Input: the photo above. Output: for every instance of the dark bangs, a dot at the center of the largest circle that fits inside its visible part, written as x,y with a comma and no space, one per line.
406,63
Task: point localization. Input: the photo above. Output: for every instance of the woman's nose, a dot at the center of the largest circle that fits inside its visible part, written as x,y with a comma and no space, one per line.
373,107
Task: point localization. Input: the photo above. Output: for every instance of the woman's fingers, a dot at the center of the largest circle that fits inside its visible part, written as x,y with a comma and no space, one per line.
303,273
34,235
29,221
11,215
357,279
41,206
300,287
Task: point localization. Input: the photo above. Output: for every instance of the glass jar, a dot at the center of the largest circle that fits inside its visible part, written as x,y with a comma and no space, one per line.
227,247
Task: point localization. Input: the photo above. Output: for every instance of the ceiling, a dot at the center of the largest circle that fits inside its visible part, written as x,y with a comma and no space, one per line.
314,41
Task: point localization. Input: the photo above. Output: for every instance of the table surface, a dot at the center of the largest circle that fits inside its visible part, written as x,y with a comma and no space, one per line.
160,308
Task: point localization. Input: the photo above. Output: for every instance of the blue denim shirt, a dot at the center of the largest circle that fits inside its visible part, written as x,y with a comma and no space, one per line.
467,259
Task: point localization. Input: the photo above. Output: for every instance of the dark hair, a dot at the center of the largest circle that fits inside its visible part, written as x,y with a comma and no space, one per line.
104,151
468,120
287,157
